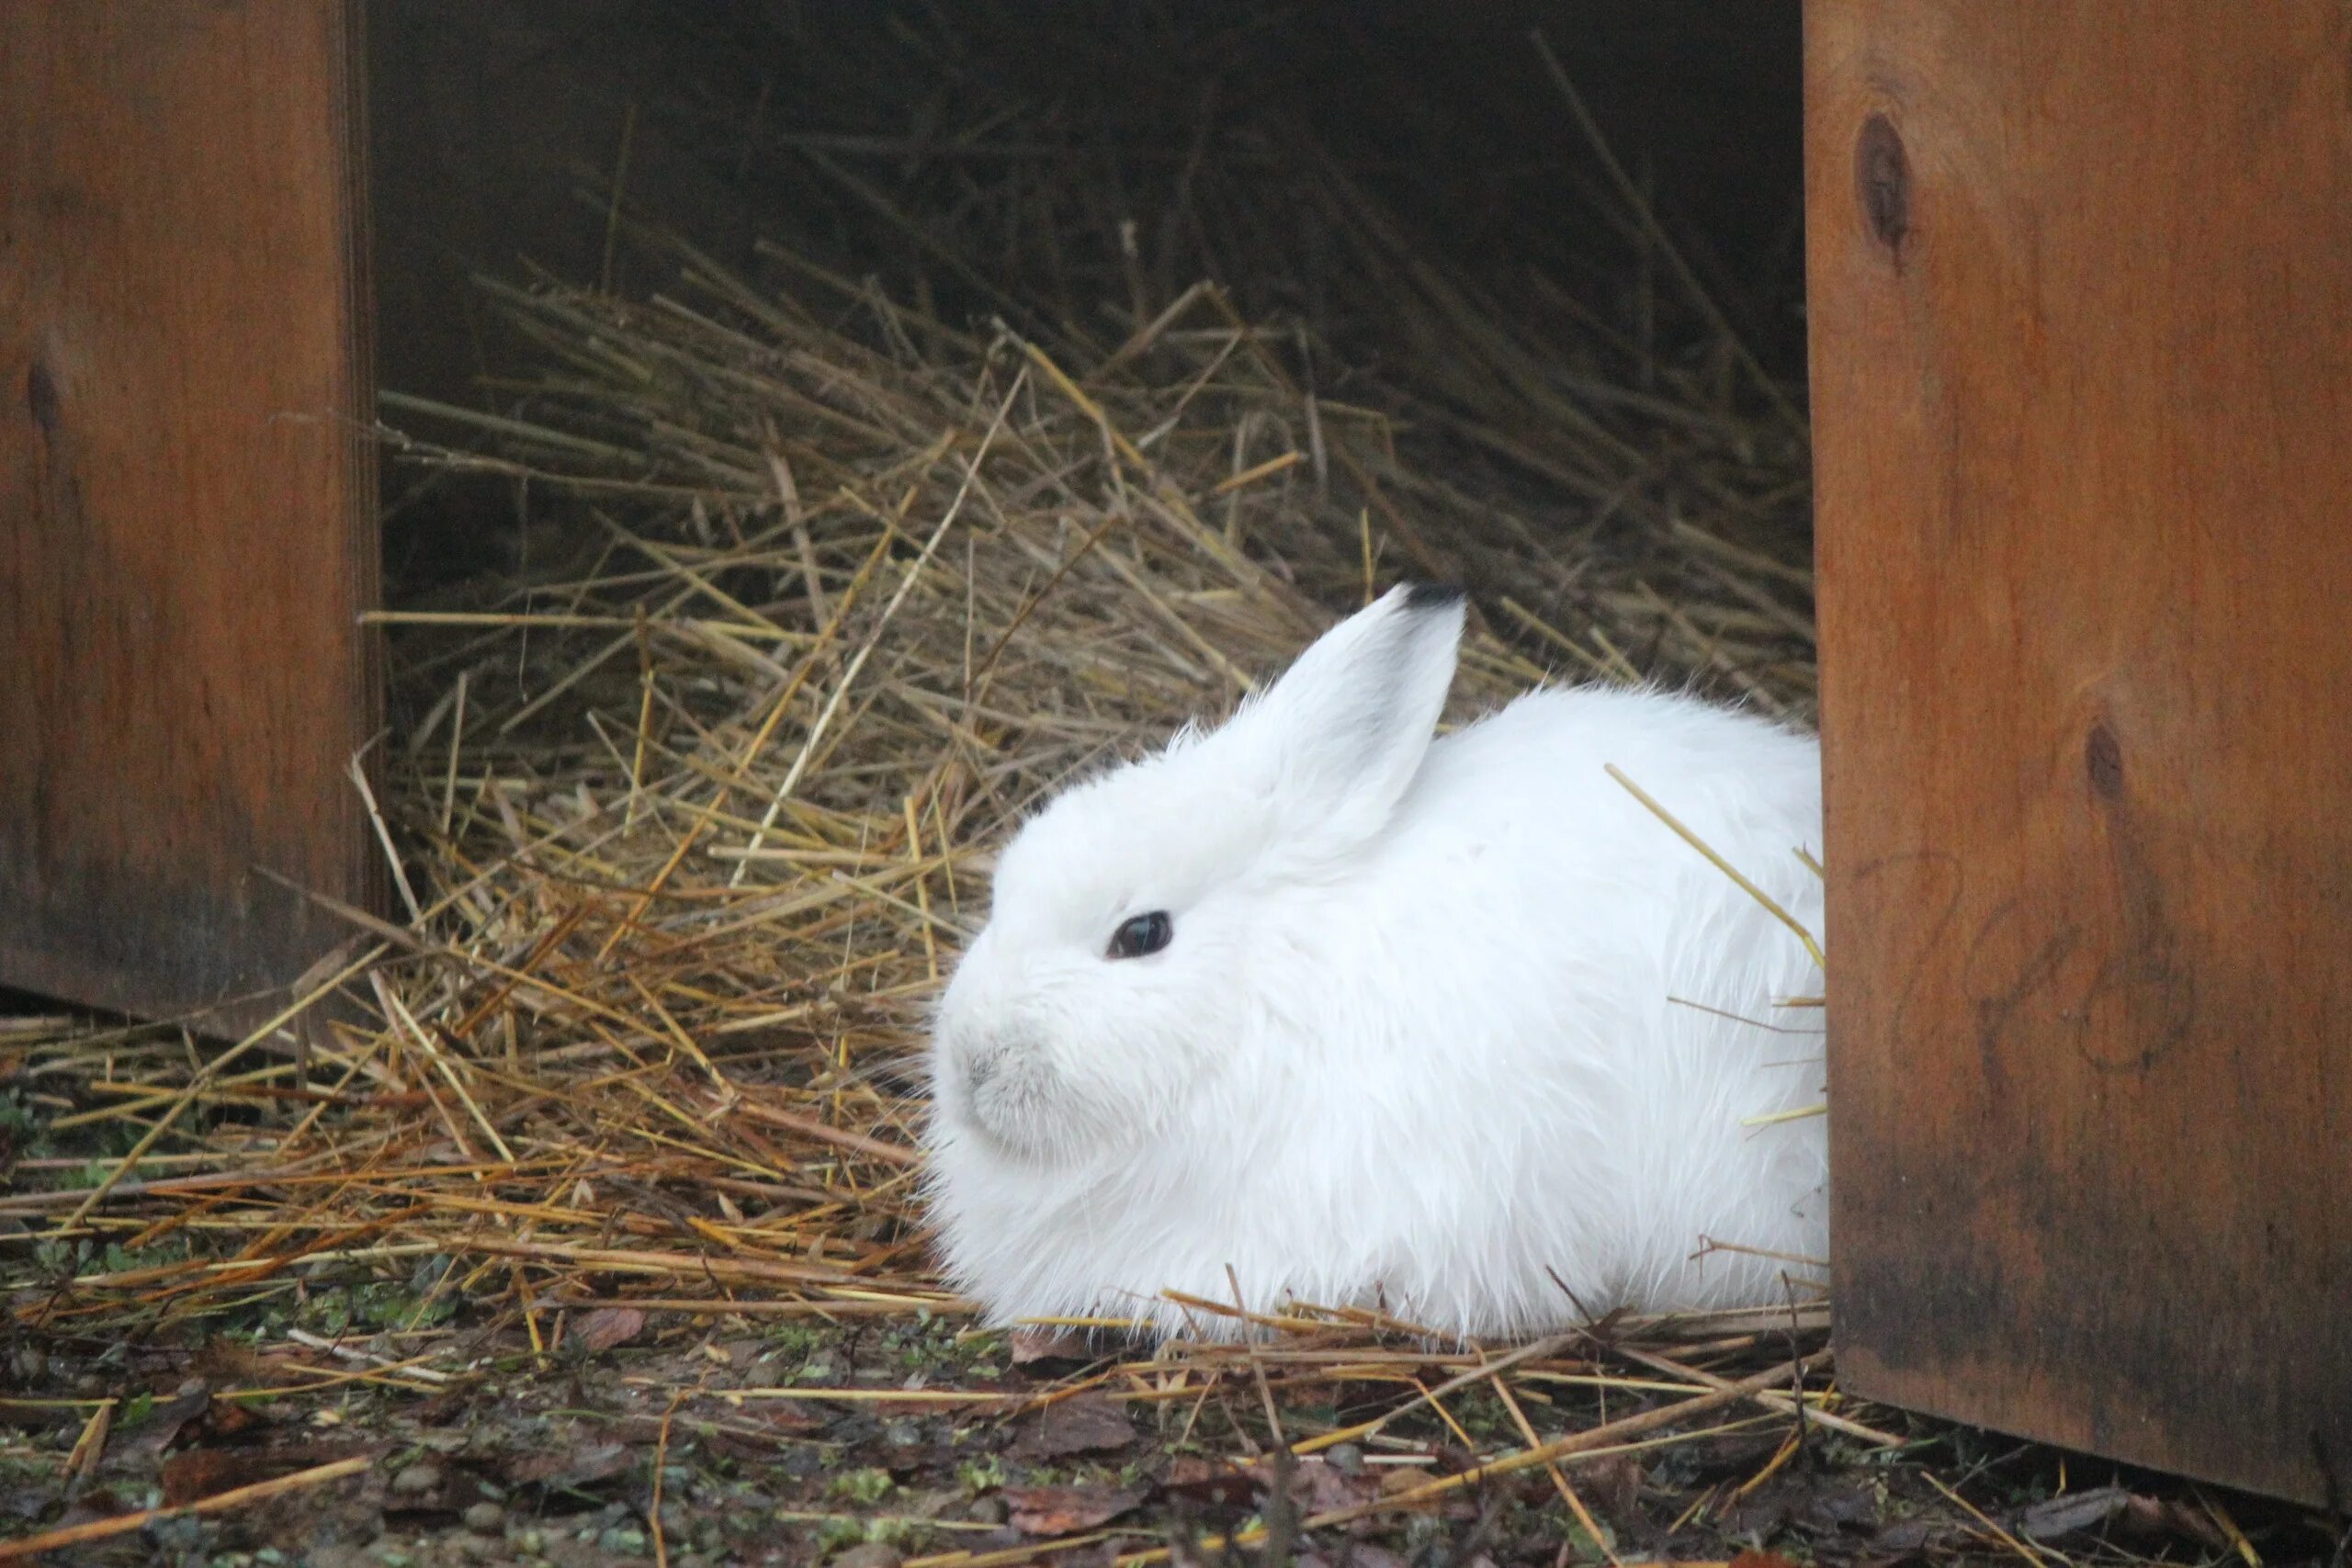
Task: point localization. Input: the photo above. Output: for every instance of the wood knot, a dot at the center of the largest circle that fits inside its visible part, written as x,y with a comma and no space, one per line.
41,397
1882,183
2103,760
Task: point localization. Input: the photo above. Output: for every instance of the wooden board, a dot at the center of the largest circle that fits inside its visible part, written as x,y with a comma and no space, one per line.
2081,306
187,501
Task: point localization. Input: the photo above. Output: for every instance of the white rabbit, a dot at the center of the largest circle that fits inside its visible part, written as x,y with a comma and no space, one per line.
1376,1020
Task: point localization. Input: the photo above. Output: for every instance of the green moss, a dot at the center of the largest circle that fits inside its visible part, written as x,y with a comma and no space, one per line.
865,1488
977,1477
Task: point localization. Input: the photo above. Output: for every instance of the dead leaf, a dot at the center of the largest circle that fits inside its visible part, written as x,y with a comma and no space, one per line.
1835,1504
25,1416
1748,1557
1612,1484
570,1465
192,1474
1452,1459
2070,1512
1060,1511
97,1503
608,1326
439,1409
26,1504
1031,1346
1320,1487
225,1361
1726,1455
750,1448
784,1418
1905,1537
1361,1555
169,1421
1088,1424
1398,1479
2157,1518
1212,1482
228,1418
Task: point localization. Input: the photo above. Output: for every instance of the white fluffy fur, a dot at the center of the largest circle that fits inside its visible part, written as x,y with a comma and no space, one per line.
1424,1037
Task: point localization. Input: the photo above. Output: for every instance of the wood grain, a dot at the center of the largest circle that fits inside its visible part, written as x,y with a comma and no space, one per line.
2080,278
187,501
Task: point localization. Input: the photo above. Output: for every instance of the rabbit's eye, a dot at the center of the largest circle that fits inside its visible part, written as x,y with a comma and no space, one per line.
1142,935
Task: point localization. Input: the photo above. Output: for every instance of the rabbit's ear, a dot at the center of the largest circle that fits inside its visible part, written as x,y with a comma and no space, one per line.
1340,736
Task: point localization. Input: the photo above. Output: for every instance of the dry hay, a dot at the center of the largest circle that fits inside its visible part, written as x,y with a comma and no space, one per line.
694,807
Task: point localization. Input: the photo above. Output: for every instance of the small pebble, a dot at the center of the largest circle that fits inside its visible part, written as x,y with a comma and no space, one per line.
1346,1458
487,1517
988,1511
416,1480
872,1554
32,1364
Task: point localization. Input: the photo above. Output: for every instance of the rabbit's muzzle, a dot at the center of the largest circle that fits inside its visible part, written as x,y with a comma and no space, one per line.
997,1083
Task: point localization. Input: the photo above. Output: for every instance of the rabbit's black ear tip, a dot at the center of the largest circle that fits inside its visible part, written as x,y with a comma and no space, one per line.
1423,597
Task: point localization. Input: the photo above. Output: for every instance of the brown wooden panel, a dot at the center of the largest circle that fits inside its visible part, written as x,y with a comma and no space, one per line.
186,504
2081,304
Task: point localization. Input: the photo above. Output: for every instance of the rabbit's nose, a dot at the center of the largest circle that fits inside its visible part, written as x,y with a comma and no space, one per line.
978,1054
991,1058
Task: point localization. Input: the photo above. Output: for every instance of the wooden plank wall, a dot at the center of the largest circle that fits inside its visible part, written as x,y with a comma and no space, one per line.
186,504
2081,305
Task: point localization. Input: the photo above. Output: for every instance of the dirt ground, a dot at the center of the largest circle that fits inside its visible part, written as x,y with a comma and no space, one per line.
689,1441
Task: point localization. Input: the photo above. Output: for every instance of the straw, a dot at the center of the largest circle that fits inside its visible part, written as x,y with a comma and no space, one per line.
692,813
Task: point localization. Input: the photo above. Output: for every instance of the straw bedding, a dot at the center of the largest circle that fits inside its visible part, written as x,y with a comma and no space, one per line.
693,800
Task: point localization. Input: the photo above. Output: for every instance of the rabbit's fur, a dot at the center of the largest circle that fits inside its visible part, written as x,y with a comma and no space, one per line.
1431,1034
